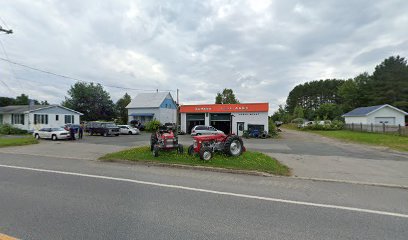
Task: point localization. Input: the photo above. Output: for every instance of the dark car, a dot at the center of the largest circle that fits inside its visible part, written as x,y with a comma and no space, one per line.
102,128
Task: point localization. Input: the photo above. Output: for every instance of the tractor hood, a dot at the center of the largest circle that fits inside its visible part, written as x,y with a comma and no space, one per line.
209,137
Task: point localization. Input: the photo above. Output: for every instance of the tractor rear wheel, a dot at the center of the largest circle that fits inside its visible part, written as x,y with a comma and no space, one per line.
180,149
191,150
233,146
153,141
155,151
205,153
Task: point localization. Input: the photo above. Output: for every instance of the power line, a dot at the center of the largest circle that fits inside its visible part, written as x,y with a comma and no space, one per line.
11,68
77,79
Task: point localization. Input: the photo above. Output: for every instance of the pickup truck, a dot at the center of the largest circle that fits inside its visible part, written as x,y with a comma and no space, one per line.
102,128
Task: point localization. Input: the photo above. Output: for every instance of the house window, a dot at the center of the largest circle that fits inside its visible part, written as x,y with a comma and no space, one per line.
69,119
56,117
40,118
17,119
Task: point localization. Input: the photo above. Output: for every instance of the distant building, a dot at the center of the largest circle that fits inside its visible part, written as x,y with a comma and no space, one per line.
381,114
34,117
148,106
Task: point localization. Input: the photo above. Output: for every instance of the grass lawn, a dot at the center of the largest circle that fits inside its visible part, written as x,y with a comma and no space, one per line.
386,140
17,141
254,161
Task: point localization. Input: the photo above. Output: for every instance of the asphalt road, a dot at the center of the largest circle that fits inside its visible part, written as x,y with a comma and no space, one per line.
57,198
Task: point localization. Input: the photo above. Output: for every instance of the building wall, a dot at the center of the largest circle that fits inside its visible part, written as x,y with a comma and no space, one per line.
256,118
164,115
52,122
356,120
387,112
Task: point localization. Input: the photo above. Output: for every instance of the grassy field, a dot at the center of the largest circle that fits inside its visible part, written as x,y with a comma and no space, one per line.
386,140
254,161
17,141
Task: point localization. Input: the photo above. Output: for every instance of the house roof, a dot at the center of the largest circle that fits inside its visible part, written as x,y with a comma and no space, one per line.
148,100
27,108
364,111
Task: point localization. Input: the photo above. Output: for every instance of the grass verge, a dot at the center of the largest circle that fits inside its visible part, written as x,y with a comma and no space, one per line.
385,140
17,141
253,161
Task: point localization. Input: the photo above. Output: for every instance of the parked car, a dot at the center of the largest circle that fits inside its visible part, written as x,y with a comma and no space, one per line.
127,129
204,130
102,128
309,123
52,133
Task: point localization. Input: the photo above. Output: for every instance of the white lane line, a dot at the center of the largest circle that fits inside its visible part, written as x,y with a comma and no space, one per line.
362,210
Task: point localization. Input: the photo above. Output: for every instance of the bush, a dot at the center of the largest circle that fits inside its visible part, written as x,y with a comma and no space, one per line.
297,121
8,129
272,130
152,125
334,125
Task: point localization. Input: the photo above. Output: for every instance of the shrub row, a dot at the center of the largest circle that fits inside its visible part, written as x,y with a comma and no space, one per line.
8,129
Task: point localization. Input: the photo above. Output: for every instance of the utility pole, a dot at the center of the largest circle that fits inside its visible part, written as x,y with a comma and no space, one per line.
7,31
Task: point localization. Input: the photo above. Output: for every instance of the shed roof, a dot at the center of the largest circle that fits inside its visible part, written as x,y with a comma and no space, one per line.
364,111
148,100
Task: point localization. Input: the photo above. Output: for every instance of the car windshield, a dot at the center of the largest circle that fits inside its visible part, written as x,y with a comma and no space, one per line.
110,125
57,129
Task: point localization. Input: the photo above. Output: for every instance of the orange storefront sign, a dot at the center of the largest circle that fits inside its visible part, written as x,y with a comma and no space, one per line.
219,108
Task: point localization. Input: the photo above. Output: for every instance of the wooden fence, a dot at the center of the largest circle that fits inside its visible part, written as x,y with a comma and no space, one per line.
378,128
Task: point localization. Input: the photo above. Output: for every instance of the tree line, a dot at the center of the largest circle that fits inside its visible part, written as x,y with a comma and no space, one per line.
19,100
330,98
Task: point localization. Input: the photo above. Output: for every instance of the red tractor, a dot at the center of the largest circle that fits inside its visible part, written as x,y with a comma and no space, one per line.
206,145
164,139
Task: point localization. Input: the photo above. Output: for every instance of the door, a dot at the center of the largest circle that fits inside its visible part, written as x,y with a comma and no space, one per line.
240,128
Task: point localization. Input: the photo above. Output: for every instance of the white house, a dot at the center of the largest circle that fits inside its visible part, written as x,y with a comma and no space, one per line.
381,114
34,117
148,106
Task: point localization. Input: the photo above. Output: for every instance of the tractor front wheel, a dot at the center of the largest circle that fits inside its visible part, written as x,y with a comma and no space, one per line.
191,150
155,151
205,153
153,141
180,149
233,146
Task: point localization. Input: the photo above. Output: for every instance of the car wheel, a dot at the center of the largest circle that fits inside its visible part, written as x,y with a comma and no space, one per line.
130,133
91,133
155,151
191,150
205,153
105,134
54,137
37,136
198,134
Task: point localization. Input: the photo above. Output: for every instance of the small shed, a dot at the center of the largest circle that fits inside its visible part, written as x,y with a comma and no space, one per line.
381,114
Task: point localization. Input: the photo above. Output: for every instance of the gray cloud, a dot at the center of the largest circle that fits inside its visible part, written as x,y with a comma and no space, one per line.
261,49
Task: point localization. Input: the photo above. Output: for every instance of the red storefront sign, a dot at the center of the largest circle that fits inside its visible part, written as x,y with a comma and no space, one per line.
220,108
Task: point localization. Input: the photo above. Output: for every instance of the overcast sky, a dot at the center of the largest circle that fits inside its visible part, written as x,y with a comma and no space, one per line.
259,48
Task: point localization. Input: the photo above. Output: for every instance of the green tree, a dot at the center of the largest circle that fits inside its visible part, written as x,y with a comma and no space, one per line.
121,108
281,115
329,111
91,100
298,112
226,97
390,83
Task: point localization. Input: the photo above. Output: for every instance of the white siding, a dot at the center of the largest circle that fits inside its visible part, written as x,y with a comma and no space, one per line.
155,111
183,122
256,118
167,115
356,120
388,113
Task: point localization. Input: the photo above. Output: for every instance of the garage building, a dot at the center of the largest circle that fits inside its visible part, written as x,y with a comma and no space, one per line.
381,114
229,118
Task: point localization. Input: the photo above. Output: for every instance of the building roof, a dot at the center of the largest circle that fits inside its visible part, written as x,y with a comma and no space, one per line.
148,100
27,108
364,111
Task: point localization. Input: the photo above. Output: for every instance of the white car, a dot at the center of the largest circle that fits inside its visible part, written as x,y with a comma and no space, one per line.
204,130
127,129
52,133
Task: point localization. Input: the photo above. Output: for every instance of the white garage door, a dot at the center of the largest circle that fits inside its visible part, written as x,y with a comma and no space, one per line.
386,120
